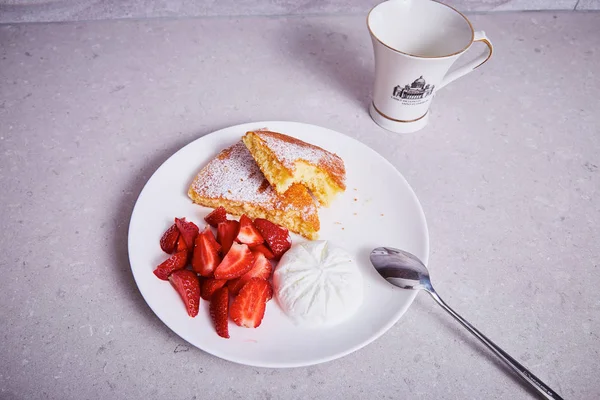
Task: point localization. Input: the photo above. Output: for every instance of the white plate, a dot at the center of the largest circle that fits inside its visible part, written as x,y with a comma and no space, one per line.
378,208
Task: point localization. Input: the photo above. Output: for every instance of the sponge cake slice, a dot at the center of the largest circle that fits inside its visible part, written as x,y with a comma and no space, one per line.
234,180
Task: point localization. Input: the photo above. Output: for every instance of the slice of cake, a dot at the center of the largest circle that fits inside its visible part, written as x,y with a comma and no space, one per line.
286,161
234,180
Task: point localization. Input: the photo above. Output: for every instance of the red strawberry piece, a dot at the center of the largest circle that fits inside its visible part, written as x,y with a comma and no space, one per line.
226,233
187,285
188,231
237,262
168,241
263,249
261,268
206,253
248,233
248,307
235,285
209,286
173,263
180,244
212,239
277,237
217,216
219,312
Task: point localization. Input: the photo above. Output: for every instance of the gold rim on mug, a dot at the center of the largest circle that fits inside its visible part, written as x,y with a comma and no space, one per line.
445,56
398,120
489,45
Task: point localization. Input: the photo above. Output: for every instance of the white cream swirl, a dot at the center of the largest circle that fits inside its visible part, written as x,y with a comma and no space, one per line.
318,284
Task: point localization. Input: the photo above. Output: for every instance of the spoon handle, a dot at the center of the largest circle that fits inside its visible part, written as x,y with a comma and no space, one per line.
523,372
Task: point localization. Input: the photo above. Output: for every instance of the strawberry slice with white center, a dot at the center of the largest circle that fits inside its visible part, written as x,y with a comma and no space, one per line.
188,231
219,307
263,249
248,308
213,240
168,241
248,234
277,237
187,285
173,263
261,268
206,253
226,233
237,262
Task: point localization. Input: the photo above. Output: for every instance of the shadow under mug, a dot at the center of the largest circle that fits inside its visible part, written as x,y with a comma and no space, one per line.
415,42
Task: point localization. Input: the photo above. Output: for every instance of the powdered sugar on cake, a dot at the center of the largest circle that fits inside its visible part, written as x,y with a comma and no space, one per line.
234,175
288,150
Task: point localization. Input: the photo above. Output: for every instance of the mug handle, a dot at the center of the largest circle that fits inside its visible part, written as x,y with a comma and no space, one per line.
479,36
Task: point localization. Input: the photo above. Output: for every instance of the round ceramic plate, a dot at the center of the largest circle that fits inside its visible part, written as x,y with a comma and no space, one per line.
378,208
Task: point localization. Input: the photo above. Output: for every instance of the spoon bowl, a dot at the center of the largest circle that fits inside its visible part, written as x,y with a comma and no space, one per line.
401,268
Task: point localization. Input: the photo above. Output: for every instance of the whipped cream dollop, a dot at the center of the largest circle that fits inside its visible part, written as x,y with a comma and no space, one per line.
317,283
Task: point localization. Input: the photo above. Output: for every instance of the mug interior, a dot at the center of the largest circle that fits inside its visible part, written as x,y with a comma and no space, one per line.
420,28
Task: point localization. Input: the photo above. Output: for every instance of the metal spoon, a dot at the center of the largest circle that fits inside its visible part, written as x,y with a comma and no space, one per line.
406,271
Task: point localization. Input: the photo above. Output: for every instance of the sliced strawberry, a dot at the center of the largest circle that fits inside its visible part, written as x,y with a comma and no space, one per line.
261,268
188,231
168,241
209,286
235,285
277,237
263,249
187,285
213,240
248,308
206,255
217,216
173,263
180,244
248,233
237,262
219,312
226,233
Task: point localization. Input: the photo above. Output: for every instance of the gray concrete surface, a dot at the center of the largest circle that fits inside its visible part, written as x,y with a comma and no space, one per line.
508,173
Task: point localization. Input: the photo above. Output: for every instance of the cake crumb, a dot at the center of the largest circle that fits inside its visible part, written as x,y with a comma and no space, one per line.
337,223
343,228
382,215
355,213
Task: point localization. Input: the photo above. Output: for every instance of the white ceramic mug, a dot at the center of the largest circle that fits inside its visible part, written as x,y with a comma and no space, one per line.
415,43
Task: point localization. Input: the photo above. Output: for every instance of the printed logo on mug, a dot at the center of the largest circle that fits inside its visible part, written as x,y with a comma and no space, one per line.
415,42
